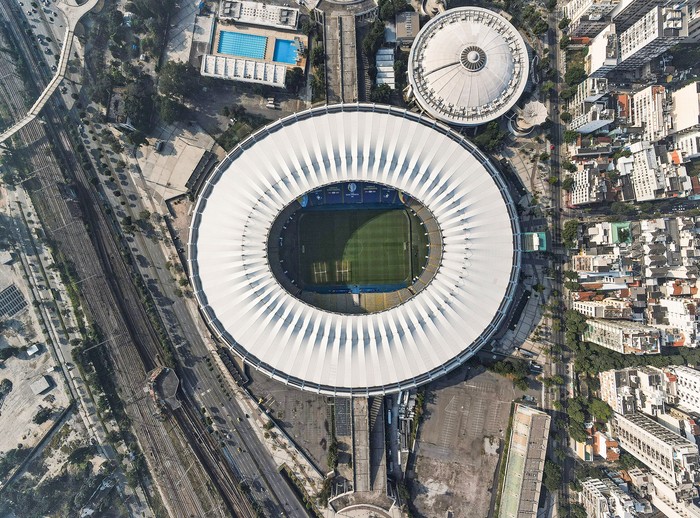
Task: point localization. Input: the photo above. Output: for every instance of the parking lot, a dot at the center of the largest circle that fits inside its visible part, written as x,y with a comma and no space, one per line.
303,415
460,441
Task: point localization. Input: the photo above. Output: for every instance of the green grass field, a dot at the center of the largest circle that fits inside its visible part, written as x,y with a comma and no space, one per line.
358,247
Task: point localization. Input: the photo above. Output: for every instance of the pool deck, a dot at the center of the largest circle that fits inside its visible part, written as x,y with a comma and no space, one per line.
271,34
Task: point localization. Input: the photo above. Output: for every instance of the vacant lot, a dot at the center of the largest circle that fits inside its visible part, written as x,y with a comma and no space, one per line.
459,443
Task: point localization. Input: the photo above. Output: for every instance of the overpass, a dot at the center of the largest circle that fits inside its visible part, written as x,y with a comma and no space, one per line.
73,14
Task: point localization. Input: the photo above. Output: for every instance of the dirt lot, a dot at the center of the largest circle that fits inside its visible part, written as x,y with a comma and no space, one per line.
459,443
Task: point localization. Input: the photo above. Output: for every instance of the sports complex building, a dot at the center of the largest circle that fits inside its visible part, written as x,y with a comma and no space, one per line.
468,66
355,249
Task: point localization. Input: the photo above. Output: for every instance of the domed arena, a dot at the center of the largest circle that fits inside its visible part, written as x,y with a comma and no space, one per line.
468,66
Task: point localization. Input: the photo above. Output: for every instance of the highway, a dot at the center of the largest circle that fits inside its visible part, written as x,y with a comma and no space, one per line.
105,283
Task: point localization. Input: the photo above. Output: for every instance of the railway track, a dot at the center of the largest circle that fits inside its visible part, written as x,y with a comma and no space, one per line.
108,292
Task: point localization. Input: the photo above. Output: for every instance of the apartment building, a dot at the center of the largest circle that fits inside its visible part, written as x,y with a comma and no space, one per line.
643,171
588,17
632,390
657,31
627,12
603,499
686,120
671,457
607,308
651,112
603,53
623,337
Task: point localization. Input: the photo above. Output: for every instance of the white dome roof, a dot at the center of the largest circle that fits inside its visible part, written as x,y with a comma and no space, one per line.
468,66
336,353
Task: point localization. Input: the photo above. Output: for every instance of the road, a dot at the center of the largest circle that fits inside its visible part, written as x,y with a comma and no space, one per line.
559,362
106,286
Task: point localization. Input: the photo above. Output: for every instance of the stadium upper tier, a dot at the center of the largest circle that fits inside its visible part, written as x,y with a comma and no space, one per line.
464,303
468,66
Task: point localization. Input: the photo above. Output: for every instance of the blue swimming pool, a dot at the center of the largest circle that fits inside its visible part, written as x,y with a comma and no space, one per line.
243,45
285,52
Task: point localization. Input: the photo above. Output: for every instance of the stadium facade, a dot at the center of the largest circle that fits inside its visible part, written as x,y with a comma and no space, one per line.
448,309
468,66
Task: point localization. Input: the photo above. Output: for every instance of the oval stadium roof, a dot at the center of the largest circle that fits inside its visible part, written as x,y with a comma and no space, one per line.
335,353
468,66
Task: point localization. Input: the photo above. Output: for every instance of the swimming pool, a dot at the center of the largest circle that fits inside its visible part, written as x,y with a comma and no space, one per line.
243,45
285,52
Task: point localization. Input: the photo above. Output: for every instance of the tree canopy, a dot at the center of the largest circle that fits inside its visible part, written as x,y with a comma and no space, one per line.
178,79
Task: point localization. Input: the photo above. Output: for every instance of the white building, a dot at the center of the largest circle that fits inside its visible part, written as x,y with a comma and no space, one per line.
674,459
633,390
468,66
623,337
686,108
684,389
627,12
608,308
603,499
244,70
259,13
650,111
657,31
597,117
681,318
643,170
590,186
603,53
588,17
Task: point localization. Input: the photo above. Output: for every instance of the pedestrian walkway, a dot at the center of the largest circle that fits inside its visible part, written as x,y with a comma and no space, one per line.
73,14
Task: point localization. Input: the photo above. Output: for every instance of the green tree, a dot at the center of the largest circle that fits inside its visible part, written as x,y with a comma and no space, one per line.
381,94
490,138
565,117
43,415
600,410
170,110
569,233
564,23
178,79
294,79
570,136
568,184
552,476
318,55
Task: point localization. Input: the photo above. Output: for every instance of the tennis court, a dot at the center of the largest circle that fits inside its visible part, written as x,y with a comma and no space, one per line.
358,247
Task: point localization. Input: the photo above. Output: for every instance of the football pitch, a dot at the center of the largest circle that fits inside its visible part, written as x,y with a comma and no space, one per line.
359,247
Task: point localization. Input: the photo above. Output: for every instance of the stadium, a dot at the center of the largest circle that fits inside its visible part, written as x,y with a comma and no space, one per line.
354,249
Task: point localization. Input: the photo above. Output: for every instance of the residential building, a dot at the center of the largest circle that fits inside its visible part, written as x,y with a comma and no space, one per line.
670,249
606,447
590,186
603,499
680,318
623,337
592,263
657,31
642,170
607,308
632,390
684,388
603,53
670,457
651,112
686,108
591,90
588,17
685,114
627,12
598,116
